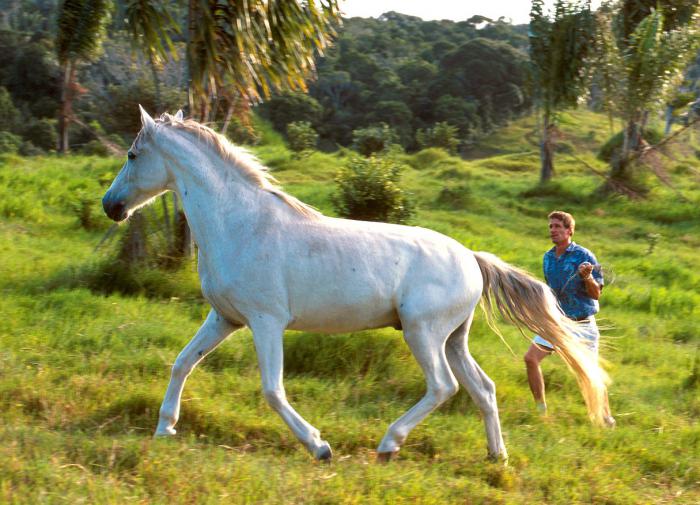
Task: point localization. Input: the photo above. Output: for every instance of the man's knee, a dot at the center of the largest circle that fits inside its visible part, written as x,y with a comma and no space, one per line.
534,356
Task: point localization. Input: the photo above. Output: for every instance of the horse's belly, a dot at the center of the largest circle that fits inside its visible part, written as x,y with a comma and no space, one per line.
343,316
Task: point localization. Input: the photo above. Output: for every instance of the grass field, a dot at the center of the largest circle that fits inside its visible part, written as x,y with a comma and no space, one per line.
82,373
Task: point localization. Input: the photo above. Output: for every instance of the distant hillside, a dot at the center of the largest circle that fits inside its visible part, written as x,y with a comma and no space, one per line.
411,74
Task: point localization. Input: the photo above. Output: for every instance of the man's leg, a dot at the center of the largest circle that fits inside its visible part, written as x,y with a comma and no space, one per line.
534,355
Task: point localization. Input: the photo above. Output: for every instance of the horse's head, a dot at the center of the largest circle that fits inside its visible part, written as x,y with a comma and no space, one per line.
144,175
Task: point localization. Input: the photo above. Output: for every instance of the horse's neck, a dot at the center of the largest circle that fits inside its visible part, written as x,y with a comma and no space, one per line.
217,201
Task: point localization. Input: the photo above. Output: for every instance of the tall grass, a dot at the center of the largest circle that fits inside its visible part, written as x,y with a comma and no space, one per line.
83,369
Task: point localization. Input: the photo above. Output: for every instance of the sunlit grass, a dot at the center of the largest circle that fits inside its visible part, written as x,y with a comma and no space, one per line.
82,374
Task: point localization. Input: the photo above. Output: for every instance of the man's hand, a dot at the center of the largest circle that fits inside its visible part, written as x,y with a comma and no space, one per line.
585,269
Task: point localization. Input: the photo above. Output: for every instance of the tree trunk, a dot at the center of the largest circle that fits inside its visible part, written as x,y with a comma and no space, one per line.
631,141
156,80
547,152
669,120
229,114
66,112
191,15
133,250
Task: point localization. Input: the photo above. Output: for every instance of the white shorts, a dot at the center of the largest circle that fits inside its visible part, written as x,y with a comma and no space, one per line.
587,332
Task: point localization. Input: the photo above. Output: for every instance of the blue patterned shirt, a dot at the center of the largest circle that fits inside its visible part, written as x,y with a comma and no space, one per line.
562,276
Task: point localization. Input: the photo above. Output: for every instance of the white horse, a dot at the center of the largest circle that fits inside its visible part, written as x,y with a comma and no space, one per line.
270,262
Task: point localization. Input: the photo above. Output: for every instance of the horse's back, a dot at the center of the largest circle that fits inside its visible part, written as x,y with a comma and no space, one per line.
349,275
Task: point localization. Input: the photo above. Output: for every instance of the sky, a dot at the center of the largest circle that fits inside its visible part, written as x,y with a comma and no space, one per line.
457,10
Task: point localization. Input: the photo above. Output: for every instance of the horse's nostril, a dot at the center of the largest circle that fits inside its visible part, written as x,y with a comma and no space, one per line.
114,210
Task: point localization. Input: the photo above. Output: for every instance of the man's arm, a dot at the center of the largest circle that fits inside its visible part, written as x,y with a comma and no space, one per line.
593,289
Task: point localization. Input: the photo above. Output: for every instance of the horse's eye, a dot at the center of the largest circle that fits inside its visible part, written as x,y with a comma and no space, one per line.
131,155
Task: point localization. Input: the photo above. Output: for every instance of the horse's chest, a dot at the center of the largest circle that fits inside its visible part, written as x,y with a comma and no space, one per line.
235,293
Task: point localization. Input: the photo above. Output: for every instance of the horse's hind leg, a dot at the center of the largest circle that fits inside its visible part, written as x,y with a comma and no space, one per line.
214,330
428,347
268,334
480,387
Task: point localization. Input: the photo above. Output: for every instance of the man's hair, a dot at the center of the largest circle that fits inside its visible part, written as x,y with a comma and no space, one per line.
564,217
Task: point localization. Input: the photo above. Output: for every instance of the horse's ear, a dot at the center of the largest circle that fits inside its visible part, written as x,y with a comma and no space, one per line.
147,121
178,115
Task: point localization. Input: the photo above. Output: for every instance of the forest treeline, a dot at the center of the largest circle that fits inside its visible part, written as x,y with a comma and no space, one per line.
395,79
411,74
398,70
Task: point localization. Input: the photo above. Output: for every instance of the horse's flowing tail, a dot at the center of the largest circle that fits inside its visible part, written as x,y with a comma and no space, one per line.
525,301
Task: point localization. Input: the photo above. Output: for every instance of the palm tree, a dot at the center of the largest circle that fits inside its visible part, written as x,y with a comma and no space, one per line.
237,52
559,49
644,54
150,26
253,48
82,26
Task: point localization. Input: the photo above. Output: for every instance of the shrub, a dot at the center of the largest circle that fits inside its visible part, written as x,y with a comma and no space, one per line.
441,135
9,142
301,136
241,133
427,158
9,115
368,190
290,107
614,143
42,133
454,197
29,149
373,139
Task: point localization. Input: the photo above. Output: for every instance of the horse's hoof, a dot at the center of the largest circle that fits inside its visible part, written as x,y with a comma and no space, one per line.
500,458
324,453
385,457
164,432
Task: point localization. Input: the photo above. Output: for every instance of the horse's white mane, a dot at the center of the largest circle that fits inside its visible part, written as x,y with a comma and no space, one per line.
241,160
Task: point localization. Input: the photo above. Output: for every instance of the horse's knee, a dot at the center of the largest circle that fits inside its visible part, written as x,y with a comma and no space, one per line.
181,368
275,397
445,391
489,386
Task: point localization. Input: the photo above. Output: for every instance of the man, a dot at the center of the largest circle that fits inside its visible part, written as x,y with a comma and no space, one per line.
569,270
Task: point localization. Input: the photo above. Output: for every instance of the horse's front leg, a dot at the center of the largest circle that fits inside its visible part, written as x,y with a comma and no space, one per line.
214,330
268,334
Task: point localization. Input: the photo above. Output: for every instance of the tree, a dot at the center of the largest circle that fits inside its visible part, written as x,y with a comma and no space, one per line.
559,49
289,107
441,135
490,72
255,47
150,25
238,52
643,53
82,26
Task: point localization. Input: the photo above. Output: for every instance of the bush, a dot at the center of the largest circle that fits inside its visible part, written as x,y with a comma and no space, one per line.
368,190
9,142
373,139
241,133
95,148
42,133
29,149
441,135
291,107
9,115
427,158
454,197
301,136
614,143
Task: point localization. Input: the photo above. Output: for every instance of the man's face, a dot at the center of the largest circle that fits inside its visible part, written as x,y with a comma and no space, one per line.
558,232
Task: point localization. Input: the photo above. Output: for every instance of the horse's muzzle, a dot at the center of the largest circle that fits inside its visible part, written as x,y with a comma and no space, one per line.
116,211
